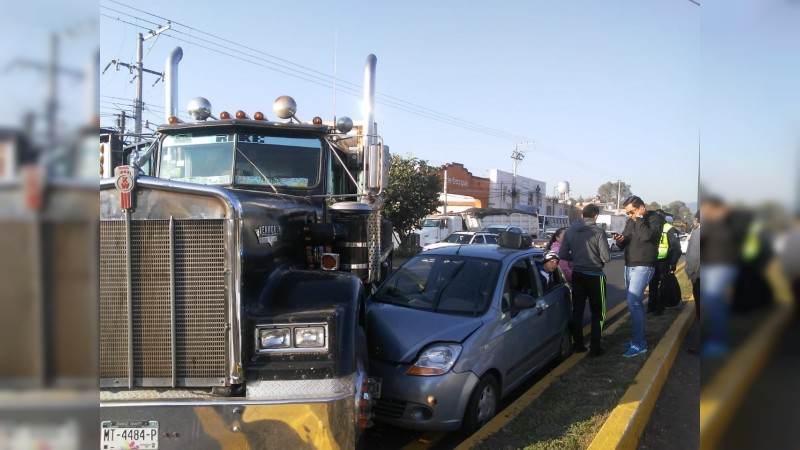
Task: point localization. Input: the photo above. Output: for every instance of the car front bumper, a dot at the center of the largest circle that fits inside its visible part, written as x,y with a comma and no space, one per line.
421,403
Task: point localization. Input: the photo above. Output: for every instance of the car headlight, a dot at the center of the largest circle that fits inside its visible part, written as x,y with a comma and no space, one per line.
305,337
435,360
309,337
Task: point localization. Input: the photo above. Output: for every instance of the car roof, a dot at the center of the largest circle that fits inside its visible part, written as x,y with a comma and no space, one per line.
488,251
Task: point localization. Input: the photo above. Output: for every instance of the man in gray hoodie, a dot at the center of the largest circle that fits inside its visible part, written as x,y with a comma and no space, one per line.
585,244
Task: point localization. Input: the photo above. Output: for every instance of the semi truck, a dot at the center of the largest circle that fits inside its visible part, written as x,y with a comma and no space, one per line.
236,253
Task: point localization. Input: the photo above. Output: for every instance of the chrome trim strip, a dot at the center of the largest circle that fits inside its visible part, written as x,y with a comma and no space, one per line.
350,244
354,266
172,300
129,281
113,404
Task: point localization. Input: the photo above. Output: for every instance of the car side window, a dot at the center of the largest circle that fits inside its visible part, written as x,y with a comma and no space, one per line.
518,280
478,239
491,239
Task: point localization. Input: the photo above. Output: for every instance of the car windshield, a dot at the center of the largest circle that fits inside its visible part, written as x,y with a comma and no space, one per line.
458,238
442,283
243,159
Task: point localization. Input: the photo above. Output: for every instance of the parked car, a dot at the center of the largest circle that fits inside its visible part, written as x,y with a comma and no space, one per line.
684,242
464,238
456,329
497,229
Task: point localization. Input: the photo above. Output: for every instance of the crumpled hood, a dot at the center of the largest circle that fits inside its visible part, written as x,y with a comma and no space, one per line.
398,334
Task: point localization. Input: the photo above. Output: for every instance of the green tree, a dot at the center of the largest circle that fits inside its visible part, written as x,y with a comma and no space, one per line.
610,190
412,194
680,211
653,206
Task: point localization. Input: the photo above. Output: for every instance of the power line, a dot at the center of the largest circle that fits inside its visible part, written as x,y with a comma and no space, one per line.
321,79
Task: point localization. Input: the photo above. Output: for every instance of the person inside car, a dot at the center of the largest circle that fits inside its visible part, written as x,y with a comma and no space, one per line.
548,270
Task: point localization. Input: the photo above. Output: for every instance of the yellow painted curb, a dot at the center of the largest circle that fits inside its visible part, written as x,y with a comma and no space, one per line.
627,421
720,399
512,411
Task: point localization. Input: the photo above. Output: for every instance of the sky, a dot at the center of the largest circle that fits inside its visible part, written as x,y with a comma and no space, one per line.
605,91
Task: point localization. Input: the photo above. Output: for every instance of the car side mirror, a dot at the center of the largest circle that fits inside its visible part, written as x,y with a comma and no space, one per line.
522,301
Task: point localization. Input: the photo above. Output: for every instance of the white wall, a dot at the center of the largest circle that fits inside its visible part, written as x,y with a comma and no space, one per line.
501,181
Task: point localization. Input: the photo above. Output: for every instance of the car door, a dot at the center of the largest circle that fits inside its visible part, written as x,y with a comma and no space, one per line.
557,305
522,330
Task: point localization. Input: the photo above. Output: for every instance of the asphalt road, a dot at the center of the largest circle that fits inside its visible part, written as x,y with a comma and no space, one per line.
385,437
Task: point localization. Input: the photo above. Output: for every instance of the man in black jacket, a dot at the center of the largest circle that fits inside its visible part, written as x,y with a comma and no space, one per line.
639,240
669,252
586,245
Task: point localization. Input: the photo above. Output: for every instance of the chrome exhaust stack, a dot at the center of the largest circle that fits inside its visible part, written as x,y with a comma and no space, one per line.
171,81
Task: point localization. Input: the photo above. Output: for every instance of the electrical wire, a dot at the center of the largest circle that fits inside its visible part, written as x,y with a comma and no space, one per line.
320,78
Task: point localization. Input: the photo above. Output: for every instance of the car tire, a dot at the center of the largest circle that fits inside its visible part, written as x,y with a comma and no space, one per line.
482,404
565,347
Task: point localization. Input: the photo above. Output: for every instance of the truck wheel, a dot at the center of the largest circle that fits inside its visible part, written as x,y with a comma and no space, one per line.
482,405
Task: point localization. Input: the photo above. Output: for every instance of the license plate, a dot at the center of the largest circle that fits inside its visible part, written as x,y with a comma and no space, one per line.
128,434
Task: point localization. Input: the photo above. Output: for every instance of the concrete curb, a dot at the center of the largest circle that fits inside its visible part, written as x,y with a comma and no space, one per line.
625,425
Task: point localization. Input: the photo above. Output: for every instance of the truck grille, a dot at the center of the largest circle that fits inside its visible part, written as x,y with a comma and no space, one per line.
200,303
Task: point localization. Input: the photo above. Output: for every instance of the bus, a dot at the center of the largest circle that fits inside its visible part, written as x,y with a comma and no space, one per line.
551,223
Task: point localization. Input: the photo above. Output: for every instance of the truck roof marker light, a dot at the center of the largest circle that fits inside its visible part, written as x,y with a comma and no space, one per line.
199,108
330,261
259,116
224,115
344,124
241,115
317,120
285,107
173,120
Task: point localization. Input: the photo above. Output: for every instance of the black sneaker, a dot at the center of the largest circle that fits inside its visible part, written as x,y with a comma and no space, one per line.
579,349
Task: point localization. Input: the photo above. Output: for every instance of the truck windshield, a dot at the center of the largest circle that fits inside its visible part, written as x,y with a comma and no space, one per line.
242,159
430,223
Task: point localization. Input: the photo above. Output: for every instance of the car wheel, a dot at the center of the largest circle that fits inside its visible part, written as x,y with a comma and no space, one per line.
482,404
566,346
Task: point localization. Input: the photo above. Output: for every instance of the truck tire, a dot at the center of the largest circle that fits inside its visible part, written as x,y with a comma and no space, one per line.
482,405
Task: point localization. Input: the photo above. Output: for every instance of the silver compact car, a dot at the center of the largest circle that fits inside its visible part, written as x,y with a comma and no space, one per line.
455,329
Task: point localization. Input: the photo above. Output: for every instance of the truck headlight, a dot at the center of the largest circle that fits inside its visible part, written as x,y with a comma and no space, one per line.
309,337
436,360
274,338
285,338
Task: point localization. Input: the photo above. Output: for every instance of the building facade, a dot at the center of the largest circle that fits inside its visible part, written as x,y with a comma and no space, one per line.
523,193
460,182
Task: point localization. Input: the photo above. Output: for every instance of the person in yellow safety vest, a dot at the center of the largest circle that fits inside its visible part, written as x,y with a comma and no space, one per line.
669,252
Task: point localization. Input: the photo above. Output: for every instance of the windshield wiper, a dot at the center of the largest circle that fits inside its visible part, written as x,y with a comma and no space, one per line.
256,167
446,283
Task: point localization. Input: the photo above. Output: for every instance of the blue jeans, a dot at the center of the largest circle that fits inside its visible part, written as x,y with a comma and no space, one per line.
636,280
717,279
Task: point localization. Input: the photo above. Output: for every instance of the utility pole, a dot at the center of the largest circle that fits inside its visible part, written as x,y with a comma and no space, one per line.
516,157
137,102
445,190
619,190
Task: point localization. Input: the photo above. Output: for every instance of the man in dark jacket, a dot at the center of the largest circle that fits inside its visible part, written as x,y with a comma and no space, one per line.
669,252
586,245
639,240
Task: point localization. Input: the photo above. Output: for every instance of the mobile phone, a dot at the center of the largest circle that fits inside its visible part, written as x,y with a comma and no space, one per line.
614,234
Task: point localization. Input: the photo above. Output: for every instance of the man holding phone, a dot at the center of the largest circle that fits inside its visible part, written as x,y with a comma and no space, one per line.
639,240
